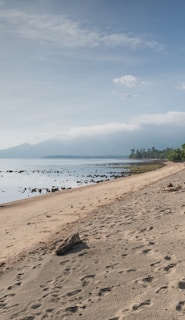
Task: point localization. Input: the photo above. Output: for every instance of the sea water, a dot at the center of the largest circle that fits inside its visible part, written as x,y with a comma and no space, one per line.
23,178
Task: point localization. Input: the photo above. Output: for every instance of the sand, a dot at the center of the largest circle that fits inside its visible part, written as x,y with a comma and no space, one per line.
130,264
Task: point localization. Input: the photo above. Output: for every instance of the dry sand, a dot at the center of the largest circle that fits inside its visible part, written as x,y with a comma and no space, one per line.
130,264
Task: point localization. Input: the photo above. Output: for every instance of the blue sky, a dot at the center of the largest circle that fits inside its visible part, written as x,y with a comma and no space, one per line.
92,68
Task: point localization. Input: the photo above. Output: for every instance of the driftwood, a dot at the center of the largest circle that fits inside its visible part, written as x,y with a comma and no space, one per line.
68,244
170,188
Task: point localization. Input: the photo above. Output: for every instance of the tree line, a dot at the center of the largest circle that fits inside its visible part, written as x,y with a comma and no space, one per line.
153,153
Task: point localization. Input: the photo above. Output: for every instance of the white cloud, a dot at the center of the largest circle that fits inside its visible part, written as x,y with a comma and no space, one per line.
155,122
64,32
130,81
168,118
136,123
127,81
108,128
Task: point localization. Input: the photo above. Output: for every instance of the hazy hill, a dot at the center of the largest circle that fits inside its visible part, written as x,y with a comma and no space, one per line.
83,147
118,144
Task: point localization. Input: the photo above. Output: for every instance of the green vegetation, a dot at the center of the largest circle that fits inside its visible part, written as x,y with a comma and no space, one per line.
152,153
145,167
140,167
168,154
177,154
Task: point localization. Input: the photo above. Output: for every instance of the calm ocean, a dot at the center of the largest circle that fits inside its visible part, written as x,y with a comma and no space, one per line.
23,178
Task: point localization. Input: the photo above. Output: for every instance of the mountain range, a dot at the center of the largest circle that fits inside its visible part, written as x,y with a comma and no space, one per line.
50,148
117,144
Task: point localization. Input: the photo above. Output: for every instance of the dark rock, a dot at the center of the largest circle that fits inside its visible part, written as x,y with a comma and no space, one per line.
54,189
68,244
170,185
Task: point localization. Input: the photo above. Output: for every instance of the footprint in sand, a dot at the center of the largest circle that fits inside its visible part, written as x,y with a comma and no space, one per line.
73,293
14,286
111,266
151,243
86,280
162,289
181,284
63,262
121,314
20,276
167,258
73,309
104,291
181,306
155,263
169,267
148,279
146,251
131,270
36,306
139,306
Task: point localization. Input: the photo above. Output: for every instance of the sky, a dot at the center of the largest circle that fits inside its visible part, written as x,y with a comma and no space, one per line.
73,69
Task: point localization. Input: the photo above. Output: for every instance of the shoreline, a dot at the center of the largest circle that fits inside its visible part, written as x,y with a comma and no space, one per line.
17,186
36,219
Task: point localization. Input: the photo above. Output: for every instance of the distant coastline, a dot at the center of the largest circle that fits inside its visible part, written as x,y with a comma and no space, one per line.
84,157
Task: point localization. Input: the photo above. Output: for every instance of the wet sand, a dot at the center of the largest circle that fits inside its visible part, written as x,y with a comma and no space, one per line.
130,264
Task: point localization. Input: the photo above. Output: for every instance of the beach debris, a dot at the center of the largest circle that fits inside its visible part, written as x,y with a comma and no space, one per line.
68,244
54,189
170,187
181,284
2,264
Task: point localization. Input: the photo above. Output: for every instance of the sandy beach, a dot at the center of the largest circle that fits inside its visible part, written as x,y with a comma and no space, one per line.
129,265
